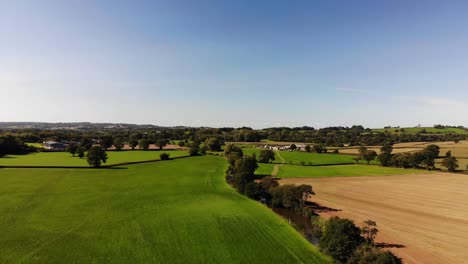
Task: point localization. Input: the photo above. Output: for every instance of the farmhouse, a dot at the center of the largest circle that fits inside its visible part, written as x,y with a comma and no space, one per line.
52,145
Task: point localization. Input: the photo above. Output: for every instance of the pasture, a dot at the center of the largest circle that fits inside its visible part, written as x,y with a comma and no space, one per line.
66,159
423,215
288,171
178,211
304,158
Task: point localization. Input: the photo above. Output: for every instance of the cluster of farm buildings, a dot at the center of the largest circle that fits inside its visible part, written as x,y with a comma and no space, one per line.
57,146
284,148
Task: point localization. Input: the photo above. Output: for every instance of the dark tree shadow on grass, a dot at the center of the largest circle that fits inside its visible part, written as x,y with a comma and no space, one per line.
321,209
389,245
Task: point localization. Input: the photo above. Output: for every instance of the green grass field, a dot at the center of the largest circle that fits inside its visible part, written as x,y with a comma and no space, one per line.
178,211
289,171
304,158
430,130
264,169
300,157
36,145
66,159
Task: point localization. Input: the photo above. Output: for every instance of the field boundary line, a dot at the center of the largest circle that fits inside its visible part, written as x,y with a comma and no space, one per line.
110,166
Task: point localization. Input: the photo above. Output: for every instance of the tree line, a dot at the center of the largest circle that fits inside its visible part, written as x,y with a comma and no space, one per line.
425,158
329,136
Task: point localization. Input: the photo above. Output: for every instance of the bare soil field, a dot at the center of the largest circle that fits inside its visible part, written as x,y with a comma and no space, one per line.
423,218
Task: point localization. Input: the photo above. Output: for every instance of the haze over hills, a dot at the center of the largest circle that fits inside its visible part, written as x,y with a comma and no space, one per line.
73,125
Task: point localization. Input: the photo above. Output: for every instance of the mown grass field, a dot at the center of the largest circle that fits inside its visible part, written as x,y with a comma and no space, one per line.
178,211
66,159
304,158
290,171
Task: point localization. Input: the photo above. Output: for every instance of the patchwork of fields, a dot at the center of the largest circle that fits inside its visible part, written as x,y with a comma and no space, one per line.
182,211
178,211
425,214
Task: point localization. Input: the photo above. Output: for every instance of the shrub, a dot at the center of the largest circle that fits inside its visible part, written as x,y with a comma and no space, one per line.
369,254
164,156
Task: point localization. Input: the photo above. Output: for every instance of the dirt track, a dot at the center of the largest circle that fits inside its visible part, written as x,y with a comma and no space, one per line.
426,214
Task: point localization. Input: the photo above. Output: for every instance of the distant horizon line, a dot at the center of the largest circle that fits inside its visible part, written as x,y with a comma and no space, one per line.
235,127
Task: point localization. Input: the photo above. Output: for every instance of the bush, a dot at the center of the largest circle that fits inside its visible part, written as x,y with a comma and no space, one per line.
368,254
164,156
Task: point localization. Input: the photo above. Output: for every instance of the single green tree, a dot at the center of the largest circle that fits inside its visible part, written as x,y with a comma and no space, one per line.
161,143
450,162
213,144
385,156
266,156
133,141
194,149
143,144
370,155
106,141
96,155
81,152
72,149
118,143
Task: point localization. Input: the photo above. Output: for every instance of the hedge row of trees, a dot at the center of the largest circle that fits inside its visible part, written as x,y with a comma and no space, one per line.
425,158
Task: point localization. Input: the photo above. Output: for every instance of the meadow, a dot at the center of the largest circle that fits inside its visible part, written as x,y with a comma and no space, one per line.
293,171
178,211
304,158
66,159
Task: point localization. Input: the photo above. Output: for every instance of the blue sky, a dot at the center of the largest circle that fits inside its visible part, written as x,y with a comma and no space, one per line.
235,63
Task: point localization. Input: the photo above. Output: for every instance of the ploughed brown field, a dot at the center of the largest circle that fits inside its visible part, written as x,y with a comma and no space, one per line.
423,217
